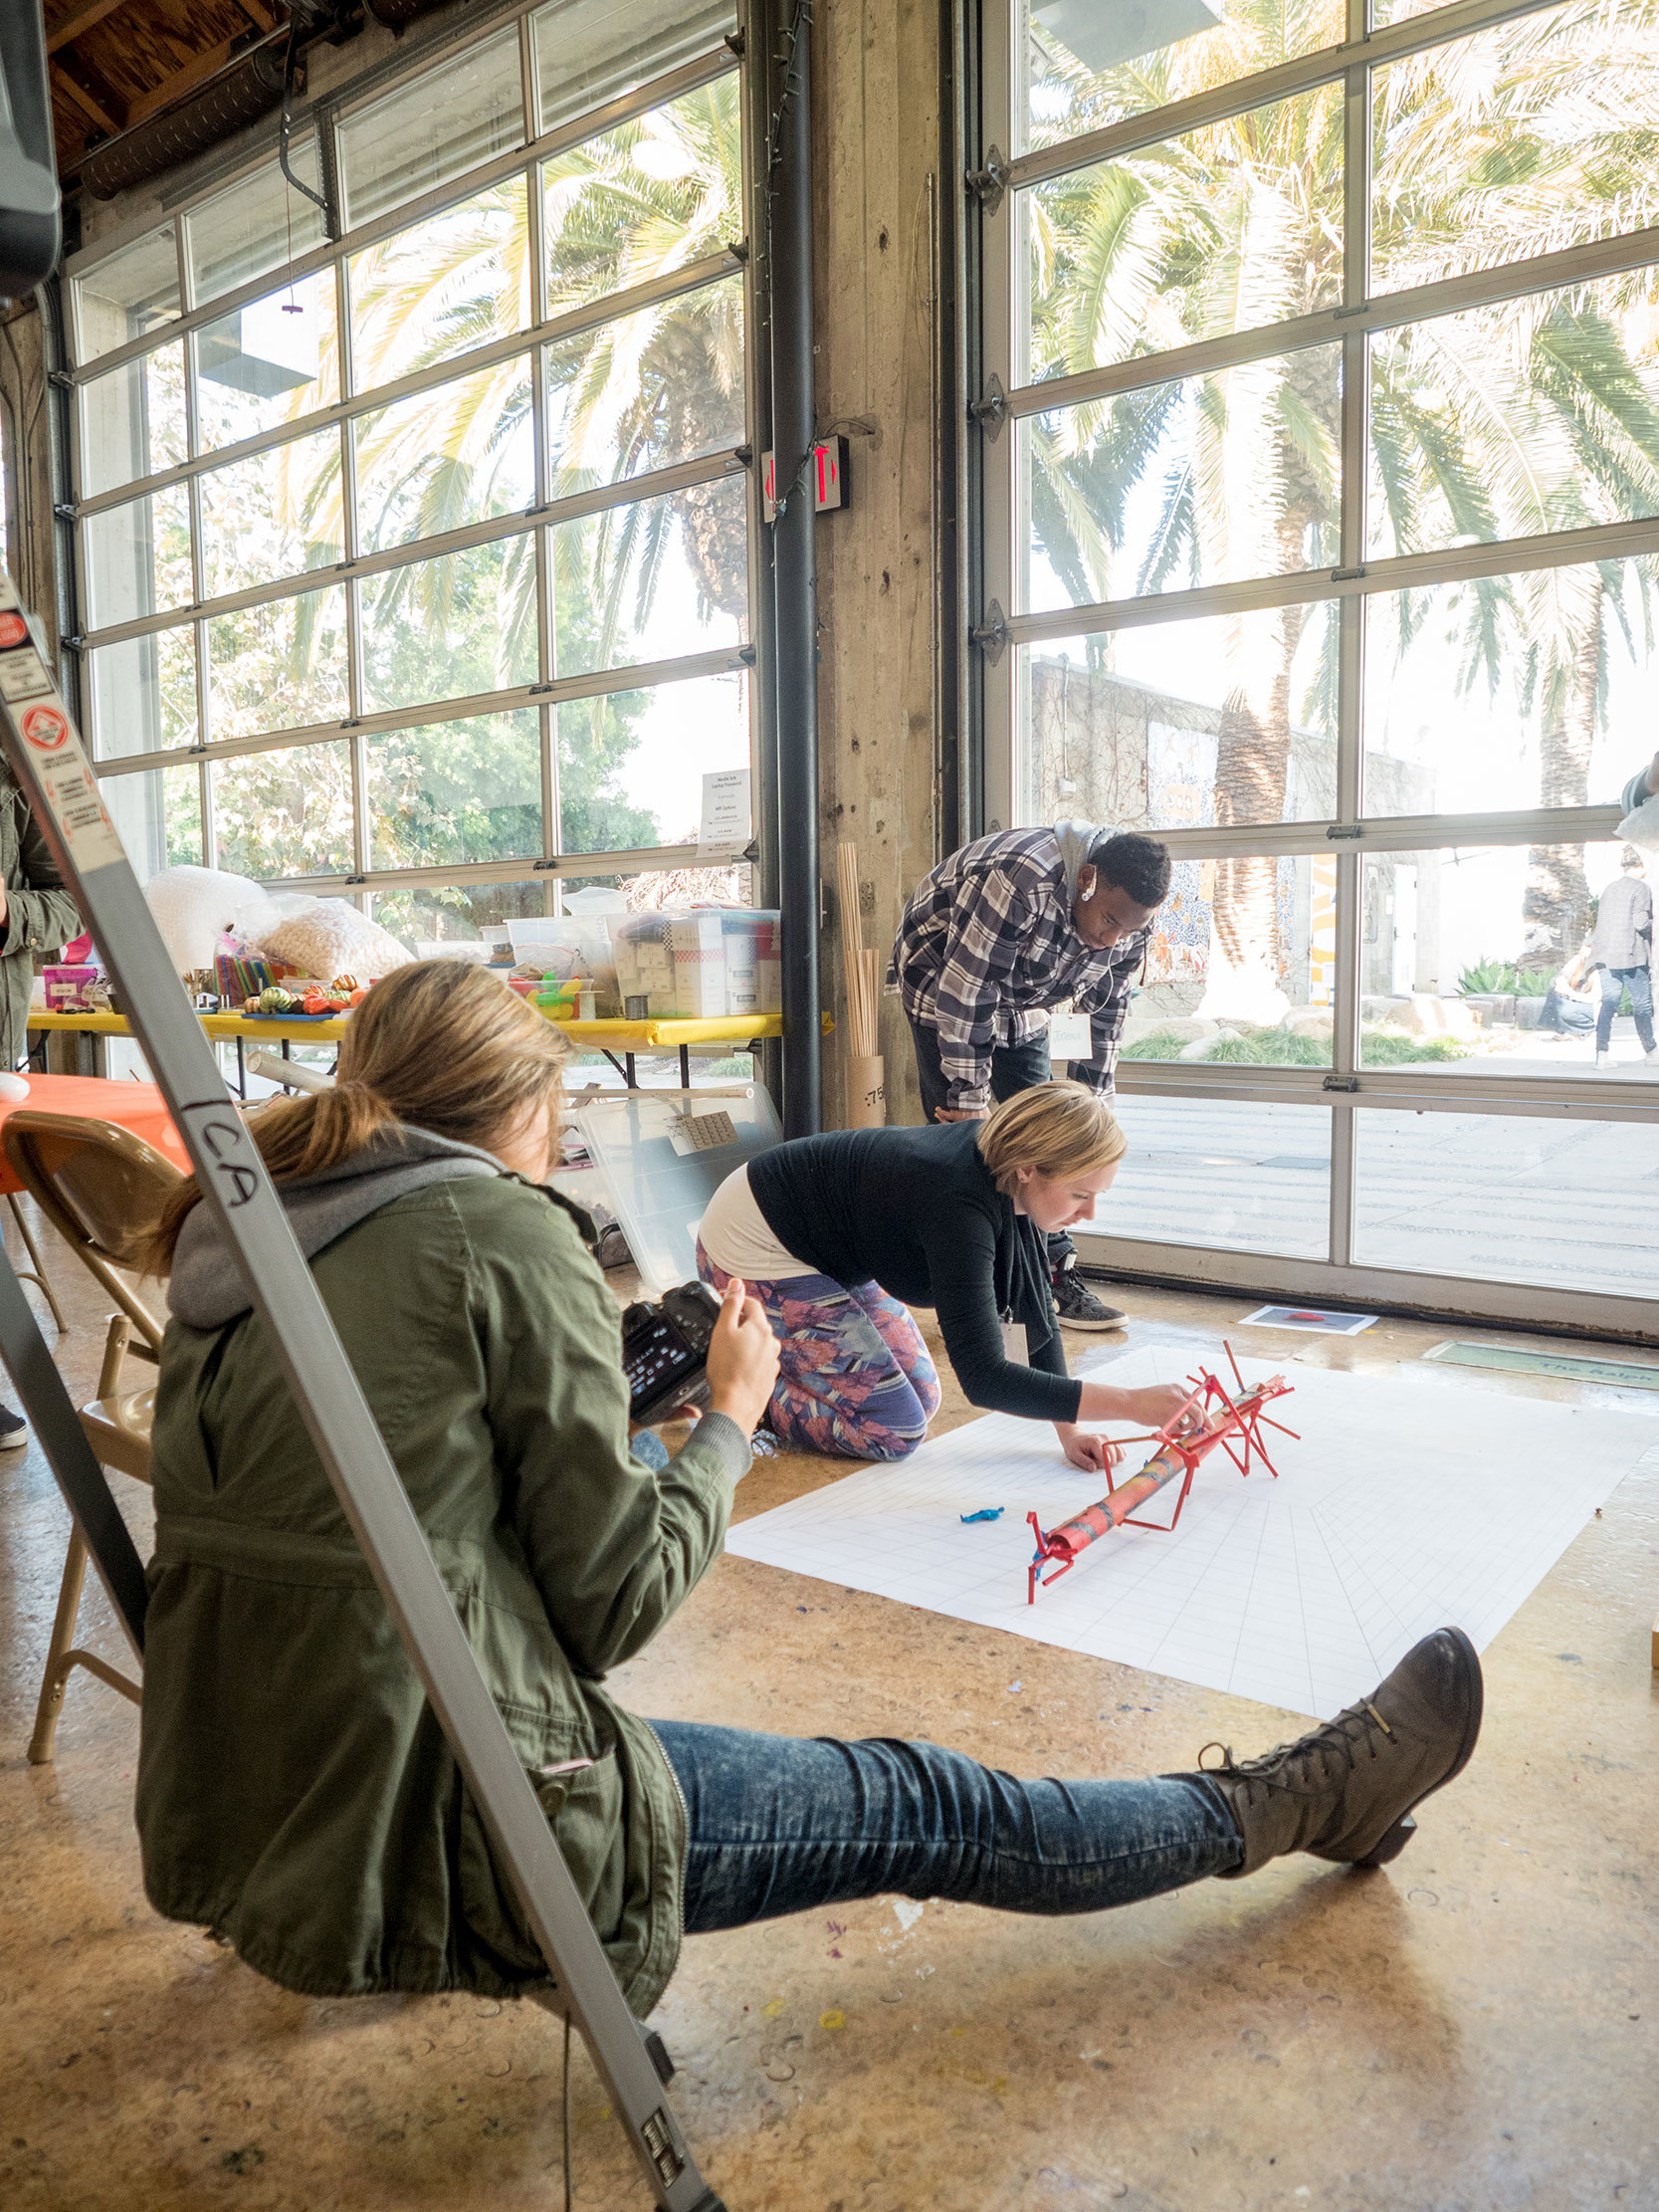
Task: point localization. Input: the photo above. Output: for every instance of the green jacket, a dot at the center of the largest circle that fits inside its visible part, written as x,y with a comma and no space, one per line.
41,916
295,1791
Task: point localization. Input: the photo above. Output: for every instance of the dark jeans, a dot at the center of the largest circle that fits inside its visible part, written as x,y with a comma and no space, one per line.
779,1824
1567,1016
1614,982
1014,1069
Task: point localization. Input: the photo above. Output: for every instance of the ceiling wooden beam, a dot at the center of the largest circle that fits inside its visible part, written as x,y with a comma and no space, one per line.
81,20
195,72
259,13
88,103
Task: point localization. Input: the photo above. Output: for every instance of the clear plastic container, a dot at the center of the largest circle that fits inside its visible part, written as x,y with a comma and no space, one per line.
570,944
698,961
663,1160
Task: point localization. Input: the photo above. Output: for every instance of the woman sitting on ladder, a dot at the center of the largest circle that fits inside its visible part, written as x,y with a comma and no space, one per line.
836,1235
295,1794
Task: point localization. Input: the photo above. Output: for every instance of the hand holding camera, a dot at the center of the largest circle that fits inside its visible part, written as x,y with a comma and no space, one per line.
742,1359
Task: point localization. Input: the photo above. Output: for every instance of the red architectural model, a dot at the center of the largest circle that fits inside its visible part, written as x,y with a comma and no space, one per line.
1195,1432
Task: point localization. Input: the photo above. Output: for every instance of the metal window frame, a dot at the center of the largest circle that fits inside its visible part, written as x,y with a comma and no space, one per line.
549,690
1389,311
999,406
1361,47
602,683
522,521
614,306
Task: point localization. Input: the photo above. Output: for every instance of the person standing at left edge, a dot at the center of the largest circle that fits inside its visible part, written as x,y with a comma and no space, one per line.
1017,950
36,915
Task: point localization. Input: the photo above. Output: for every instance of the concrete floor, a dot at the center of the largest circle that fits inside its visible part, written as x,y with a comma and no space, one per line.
1476,2026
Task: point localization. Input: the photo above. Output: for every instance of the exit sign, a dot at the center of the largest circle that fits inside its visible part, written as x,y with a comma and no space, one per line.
829,469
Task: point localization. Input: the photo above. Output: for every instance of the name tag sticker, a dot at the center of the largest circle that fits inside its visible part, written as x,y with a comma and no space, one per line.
1069,1037
1016,1348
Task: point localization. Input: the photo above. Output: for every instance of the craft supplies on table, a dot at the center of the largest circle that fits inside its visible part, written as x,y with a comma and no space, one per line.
84,988
564,947
697,962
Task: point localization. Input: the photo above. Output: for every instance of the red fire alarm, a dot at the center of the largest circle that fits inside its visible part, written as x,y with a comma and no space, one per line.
830,473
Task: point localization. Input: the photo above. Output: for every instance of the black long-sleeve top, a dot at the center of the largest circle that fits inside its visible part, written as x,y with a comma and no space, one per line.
916,1211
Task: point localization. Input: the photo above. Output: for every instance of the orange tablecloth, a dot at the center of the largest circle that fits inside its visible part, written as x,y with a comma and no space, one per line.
136,1106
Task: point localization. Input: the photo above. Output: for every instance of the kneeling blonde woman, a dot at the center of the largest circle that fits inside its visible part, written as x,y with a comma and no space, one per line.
837,1235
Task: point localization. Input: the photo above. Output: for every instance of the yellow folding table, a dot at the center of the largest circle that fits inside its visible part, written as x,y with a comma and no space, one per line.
613,1038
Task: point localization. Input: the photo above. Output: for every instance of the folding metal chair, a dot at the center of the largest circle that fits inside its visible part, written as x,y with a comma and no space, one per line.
101,1188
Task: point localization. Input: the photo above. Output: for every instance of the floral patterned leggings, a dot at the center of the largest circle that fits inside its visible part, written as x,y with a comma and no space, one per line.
854,1378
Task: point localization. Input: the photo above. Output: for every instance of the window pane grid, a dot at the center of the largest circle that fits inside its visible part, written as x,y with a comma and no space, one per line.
164,418
1403,904
711,66
379,416
701,484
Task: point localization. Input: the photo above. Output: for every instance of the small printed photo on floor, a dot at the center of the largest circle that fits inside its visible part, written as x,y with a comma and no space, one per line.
1316,1319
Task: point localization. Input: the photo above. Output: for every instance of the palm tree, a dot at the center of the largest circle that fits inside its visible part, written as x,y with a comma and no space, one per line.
1540,417
1226,229
653,197
635,203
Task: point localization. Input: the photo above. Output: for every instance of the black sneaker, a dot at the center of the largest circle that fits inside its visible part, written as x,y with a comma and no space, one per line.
14,1429
613,1248
1076,1305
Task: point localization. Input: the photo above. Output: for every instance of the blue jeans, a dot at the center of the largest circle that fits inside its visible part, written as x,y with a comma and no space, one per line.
1614,982
782,1824
1014,1069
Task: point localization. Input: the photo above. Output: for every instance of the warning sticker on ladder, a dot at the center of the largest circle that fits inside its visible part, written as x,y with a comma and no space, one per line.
66,782
23,676
46,727
72,795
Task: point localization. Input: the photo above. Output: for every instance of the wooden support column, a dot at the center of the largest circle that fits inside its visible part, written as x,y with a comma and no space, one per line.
877,102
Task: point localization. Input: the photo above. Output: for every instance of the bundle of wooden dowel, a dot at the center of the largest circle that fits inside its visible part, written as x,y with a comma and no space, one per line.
862,994
866,1091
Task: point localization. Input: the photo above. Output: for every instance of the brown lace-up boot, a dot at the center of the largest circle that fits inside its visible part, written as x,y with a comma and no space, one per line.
1345,1791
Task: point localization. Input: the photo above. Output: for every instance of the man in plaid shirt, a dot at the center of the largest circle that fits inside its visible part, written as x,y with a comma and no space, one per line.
999,933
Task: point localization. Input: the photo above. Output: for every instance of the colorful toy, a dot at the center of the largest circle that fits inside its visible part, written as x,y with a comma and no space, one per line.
1181,1448
313,1000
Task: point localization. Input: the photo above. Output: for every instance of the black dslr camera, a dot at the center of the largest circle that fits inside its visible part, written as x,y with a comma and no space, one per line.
664,1351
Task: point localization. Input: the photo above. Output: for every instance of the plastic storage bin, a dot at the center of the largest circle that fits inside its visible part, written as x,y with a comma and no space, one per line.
567,945
663,1159
691,962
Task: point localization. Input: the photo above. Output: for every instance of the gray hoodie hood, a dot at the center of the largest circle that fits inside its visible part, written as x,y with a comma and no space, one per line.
206,1289
1076,840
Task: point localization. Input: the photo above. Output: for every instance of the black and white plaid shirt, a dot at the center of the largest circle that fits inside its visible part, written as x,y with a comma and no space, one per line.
987,946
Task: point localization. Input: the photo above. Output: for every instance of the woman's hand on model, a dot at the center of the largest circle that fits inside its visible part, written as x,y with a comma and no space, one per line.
1157,1406
742,1360
1083,1449
1154,1407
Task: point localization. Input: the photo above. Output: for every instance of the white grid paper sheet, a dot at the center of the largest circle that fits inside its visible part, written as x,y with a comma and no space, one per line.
1409,1503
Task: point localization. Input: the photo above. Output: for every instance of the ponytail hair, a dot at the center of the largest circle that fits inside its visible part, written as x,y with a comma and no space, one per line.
442,1044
